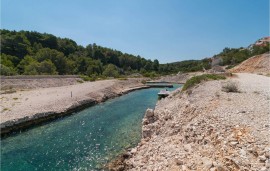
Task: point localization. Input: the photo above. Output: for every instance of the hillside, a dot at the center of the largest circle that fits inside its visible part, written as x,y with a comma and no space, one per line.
34,53
255,64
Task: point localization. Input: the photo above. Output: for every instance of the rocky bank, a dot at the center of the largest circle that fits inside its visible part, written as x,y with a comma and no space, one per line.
206,128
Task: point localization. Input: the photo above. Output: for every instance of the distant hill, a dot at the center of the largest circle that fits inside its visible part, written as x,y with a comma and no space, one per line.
34,53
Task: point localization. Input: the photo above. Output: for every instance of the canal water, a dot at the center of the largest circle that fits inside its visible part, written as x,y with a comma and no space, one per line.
84,141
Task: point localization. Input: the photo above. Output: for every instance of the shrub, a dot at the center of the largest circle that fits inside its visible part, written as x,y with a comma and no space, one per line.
198,79
87,78
101,77
122,78
230,87
143,81
80,81
111,71
151,75
230,66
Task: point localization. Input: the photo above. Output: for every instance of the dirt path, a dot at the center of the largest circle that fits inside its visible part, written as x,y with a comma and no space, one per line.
253,82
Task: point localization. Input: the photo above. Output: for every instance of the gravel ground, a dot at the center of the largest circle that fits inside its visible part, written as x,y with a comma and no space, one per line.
26,105
206,128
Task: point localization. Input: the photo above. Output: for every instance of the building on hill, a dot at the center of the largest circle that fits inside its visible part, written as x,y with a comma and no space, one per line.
217,60
262,41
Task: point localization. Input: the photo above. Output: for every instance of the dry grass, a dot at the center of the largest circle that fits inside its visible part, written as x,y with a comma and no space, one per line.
200,78
5,109
230,87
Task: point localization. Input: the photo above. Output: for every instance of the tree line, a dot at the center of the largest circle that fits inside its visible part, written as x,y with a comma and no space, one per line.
34,53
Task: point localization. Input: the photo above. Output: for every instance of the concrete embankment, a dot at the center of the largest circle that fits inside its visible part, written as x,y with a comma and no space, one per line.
206,128
24,109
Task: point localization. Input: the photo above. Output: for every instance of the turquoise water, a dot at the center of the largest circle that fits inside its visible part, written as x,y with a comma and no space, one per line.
83,141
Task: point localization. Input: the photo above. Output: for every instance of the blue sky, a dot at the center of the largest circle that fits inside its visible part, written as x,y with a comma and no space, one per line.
167,30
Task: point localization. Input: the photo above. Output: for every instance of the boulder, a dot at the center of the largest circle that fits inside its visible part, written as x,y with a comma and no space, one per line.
149,113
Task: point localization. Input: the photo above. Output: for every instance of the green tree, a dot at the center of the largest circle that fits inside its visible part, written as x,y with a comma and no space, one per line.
148,66
58,59
32,68
27,60
9,61
67,46
111,71
94,67
15,45
5,70
47,67
49,41
156,65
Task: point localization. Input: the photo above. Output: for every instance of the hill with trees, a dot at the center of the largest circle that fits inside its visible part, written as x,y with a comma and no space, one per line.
34,53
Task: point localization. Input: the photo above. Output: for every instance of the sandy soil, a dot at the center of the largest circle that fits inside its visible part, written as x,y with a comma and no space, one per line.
23,104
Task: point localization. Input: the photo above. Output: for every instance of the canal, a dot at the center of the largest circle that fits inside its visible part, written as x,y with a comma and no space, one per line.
84,141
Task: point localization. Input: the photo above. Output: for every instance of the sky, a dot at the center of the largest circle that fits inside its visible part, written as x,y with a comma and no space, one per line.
167,30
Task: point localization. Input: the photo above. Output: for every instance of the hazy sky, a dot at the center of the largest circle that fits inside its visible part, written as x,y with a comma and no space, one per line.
167,30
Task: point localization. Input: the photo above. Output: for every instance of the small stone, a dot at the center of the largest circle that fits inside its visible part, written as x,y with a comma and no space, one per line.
199,138
220,168
239,133
145,122
167,117
187,148
233,143
184,168
134,150
126,155
267,154
179,162
262,158
263,169
243,153
267,164
213,169
207,163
